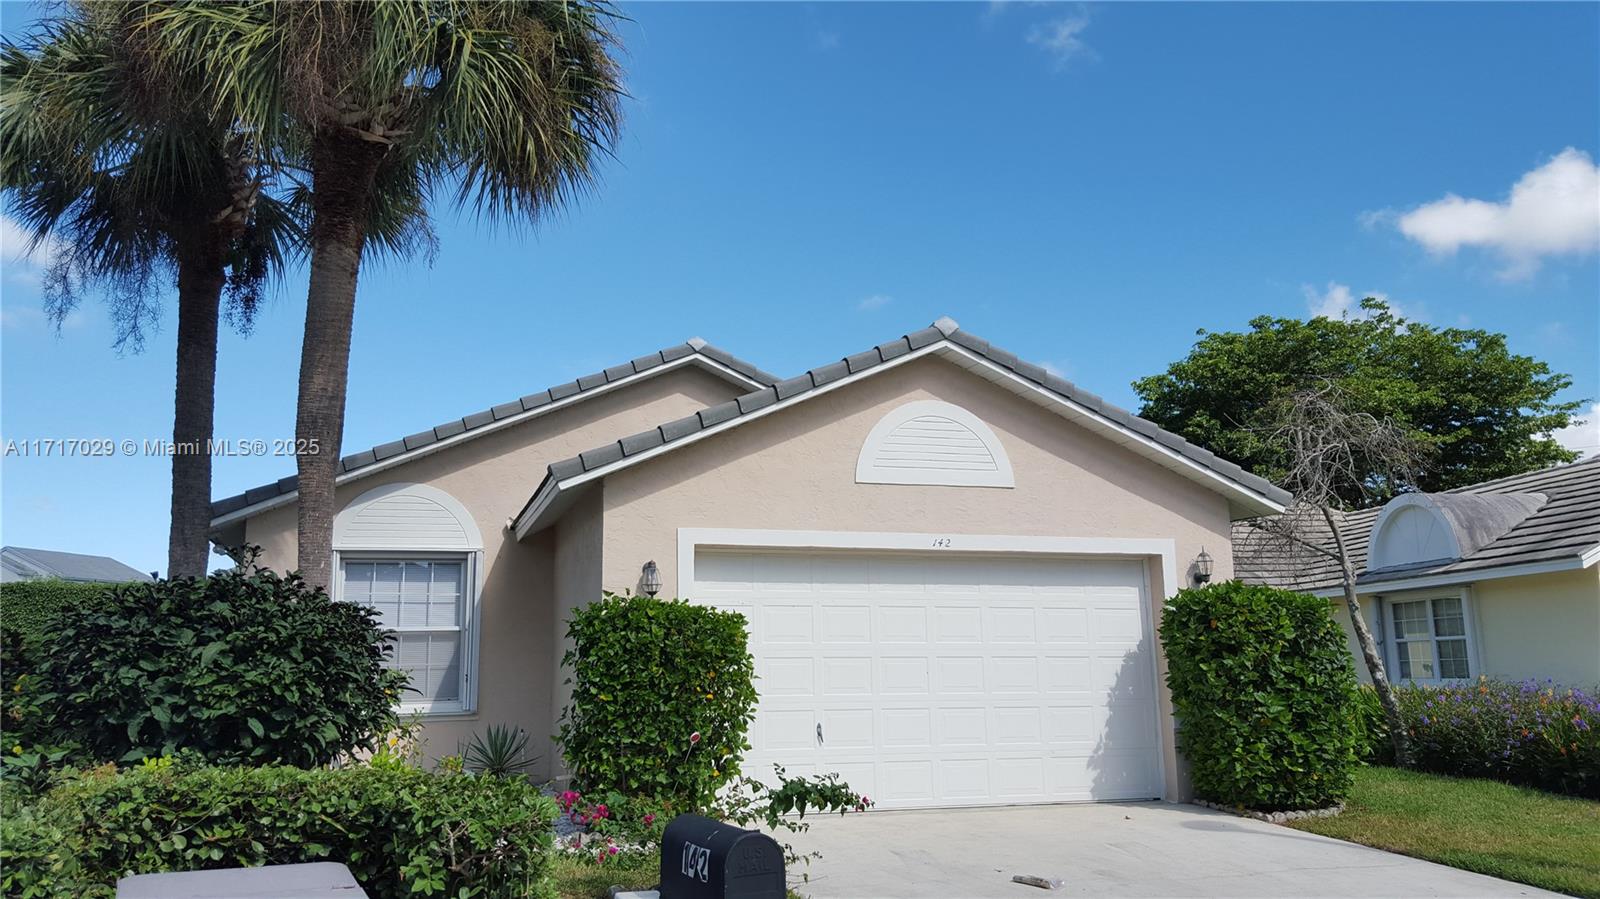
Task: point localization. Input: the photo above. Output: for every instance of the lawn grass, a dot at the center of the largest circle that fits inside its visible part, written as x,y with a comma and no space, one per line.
578,878
1515,833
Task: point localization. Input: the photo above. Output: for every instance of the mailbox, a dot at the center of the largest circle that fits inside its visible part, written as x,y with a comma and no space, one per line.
705,858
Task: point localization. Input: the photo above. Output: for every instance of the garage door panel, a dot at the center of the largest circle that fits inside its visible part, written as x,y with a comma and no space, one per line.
948,680
902,624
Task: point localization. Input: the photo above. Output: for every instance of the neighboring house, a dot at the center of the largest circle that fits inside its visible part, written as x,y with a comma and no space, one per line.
19,563
951,560
1499,578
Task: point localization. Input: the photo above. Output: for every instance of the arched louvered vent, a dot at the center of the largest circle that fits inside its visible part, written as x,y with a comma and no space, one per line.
929,442
405,517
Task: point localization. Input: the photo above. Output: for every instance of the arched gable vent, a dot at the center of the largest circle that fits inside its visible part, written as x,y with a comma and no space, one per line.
1415,528
930,442
406,517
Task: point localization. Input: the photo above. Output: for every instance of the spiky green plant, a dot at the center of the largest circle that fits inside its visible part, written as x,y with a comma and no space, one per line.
501,751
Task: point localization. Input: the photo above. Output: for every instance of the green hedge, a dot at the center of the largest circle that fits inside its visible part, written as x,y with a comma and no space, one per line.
403,832
239,667
27,607
662,696
1265,695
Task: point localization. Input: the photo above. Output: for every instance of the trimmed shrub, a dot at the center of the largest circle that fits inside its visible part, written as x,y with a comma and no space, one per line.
1373,745
241,668
402,831
27,607
1530,733
662,695
1264,692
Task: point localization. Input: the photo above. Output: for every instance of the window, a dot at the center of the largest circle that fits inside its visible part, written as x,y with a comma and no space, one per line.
1430,639
423,603
414,553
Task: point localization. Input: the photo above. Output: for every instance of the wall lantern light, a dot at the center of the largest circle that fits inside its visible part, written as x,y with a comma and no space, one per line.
650,580
1202,567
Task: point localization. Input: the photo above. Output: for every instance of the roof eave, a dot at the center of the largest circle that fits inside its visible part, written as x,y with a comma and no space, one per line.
541,508
699,358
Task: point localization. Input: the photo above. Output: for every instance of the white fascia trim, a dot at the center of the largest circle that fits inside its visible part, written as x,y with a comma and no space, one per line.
421,451
549,490
690,540
1453,578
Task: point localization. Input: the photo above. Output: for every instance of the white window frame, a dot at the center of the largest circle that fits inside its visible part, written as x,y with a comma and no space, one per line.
409,704
1393,641
465,546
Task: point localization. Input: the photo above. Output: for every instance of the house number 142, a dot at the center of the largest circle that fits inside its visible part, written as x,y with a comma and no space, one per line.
942,542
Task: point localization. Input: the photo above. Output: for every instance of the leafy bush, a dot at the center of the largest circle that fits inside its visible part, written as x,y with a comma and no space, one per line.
1529,733
245,668
1264,690
662,695
402,831
27,607
1373,745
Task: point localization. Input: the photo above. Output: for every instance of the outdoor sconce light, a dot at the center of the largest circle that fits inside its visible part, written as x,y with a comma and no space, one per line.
1202,567
650,580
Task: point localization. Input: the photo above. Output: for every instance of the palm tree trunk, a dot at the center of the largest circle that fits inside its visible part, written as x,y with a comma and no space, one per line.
200,278
343,169
1369,649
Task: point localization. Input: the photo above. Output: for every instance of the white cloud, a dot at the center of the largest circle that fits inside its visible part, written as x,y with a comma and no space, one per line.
1060,371
16,262
874,303
1553,210
1582,436
1062,38
1338,301
827,40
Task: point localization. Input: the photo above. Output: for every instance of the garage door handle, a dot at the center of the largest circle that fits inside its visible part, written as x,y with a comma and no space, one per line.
819,733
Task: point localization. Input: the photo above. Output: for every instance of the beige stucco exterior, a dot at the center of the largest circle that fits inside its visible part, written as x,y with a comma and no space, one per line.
793,469
796,470
492,476
1529,626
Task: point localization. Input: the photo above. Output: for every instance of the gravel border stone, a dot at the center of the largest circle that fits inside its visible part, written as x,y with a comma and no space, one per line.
1272,817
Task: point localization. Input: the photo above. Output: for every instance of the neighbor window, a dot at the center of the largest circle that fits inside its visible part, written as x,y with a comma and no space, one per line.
1430,639
424,602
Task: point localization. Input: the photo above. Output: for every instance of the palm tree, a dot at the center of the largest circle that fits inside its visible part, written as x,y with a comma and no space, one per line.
507,104
138,183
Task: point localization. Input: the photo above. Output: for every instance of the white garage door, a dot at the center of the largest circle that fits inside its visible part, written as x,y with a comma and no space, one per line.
948,680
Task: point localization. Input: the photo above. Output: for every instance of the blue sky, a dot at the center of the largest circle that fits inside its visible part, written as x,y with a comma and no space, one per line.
1083,185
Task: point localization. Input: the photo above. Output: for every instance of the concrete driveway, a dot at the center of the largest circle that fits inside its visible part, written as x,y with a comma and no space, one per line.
1112,849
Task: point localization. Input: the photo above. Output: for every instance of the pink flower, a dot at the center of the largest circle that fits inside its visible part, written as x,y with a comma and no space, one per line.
650,818
611,850
600,811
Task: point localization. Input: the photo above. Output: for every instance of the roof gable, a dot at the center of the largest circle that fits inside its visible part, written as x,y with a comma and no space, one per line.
1249,494
30,563
694,351
1513,532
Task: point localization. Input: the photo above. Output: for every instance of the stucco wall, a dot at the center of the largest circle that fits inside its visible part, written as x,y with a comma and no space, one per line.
796,470
1539,626
493,476
580,549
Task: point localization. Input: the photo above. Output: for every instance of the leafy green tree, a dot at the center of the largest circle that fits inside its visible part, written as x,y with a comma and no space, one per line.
109,157
1484,411
507,105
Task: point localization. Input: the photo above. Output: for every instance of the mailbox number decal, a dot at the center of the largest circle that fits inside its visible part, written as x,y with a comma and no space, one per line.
696,862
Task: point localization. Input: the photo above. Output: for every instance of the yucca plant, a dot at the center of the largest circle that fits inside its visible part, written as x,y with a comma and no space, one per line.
501,751
507,104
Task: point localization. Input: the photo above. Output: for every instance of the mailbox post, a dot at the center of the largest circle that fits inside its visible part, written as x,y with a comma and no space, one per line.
706,859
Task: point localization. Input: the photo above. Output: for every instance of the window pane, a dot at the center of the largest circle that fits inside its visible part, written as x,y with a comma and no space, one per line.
1453,658
1411,620
444,597
1447,620
1416,660
433,662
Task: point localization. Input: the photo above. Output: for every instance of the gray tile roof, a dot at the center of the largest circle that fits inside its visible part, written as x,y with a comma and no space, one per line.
23,563
1566,526
476,420
944,329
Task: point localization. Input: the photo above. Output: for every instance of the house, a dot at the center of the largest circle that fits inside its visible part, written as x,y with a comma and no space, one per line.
19,563
1496,579
950,559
